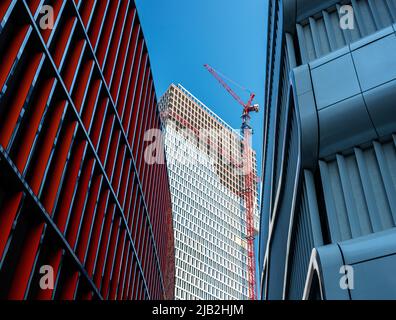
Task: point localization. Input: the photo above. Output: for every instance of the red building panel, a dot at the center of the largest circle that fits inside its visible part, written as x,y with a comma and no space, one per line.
75,192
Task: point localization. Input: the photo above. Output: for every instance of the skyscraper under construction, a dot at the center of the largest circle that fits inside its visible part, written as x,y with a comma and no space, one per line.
206,179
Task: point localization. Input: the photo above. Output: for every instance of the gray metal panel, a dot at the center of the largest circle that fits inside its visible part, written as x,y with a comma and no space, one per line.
344,125
321,34
330,261
335,81
373,259
370,247
375,279
354,101
342,107
380,102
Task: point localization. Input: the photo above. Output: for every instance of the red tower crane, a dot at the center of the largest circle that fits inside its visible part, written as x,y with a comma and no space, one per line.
249,176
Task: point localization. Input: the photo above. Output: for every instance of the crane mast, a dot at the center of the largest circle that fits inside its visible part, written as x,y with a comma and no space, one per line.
248,191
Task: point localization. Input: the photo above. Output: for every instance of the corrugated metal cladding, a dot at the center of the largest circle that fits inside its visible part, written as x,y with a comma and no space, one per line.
302,242
359,191
321,34
75,191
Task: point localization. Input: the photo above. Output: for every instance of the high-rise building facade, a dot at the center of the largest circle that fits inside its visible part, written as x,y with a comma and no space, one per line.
329,195
204,158
82,215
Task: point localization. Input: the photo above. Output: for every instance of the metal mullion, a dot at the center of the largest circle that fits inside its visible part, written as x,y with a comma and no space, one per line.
118,148
127,182
142,111
105,212
111,35
129,94
145,246
112,136
143,165
7,14
88,192
91,13
54,144
135,69
151,126
37,12
142,240
94,216
64,173
95,107
139,85
26,104
11,80
113,264
90,142
102,138
151,192
133,202
56,25
117,269
58,275
146,251
102,125
65,165
156,201
119,162
76,185
67,44
128,273
34,136
40,127
110,98
78,68
46,217
130,55
151,268
140,119
146,126
135,282
103,271
129,211
109,214
12,226
89,81
100,27
139,221
18,54
132,273
122,168
161,217
124,269
108,269
129,38
36,259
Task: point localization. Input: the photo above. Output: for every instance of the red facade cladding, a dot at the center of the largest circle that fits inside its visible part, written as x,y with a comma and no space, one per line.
75,191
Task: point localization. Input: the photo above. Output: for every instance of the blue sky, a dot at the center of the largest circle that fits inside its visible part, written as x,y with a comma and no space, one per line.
183,35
